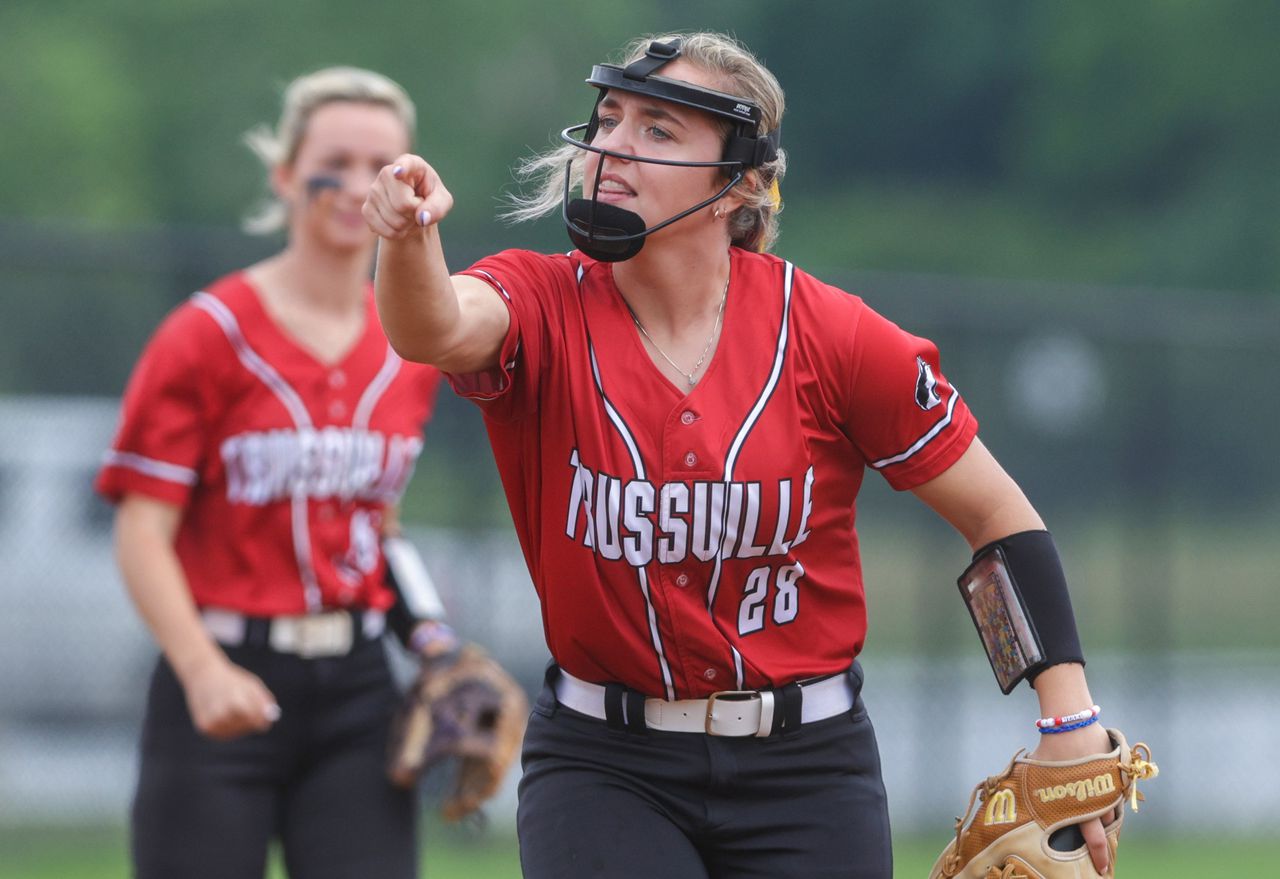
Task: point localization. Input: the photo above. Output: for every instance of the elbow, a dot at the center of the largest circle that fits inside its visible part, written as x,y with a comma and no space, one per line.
411,342
441,352
407,347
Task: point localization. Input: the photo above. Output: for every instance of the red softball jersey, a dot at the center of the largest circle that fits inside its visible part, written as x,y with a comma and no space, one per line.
283,465
684,543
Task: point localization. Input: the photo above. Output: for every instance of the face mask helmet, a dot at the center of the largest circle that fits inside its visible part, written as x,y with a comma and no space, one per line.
608,233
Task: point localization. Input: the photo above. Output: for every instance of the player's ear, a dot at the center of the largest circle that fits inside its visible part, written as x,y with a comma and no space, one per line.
738,196
283,182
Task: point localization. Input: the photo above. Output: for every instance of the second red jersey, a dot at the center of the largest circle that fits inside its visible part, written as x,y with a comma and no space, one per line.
283,465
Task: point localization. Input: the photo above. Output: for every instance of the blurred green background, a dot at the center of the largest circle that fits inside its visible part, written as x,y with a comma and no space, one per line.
1098,143
1080,202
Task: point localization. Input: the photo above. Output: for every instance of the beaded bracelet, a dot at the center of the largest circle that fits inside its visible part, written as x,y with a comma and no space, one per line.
1070,726
1068,721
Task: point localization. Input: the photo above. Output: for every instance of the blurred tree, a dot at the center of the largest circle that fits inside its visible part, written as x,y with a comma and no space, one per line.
1089,142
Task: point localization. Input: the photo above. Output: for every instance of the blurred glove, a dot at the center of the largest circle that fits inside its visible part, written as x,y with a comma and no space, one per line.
461,705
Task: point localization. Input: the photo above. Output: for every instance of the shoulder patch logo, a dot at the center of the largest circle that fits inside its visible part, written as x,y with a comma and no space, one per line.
926,393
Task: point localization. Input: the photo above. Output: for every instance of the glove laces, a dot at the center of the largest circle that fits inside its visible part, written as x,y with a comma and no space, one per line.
951,863
1139,768
1009,871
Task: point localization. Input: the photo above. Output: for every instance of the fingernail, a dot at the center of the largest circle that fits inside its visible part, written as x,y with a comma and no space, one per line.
423,218
271,713
397,170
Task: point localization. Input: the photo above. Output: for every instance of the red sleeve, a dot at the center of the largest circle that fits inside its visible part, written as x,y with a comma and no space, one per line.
527,282
908,421
159,446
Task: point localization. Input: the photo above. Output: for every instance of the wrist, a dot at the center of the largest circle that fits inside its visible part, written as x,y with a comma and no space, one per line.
433,638
1073,744
194,663
1062,689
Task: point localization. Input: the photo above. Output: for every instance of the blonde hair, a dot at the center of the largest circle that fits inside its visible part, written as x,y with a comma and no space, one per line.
302,97
754,225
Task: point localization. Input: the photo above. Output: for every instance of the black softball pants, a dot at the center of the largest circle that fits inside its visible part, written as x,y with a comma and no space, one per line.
598,802
209,810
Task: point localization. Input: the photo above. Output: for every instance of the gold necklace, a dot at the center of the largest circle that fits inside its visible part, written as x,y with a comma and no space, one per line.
689,376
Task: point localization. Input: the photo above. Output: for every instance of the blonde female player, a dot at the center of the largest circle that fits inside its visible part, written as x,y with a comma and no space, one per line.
268,430
682,422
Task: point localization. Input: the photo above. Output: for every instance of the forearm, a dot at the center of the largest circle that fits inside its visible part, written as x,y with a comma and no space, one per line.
985,505
158,588
417,303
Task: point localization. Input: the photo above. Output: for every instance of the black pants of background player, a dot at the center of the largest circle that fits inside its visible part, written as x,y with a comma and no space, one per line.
315,781
600,802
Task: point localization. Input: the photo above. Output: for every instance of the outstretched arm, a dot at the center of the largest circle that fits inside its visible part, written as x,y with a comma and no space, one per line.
455,323
984,504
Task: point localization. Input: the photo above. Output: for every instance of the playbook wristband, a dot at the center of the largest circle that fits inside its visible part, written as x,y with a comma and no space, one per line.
1016,593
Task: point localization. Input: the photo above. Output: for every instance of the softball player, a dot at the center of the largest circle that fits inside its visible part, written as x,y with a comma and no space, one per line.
268,431
682,422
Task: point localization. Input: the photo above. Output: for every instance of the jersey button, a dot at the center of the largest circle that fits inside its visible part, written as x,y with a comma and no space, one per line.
688,417
337,409
690,459
337,379
682,580
709,674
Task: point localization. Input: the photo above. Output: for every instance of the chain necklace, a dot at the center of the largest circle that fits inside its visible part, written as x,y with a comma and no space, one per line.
689,376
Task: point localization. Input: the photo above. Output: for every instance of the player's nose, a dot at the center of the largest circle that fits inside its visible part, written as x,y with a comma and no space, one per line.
616,141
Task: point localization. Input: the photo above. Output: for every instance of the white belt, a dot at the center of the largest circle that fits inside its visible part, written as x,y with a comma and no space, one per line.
727,713
330,633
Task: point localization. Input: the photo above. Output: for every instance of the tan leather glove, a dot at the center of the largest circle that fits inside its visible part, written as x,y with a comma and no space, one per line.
1007,834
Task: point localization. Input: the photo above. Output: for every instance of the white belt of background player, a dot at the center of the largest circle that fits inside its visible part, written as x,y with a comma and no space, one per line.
727,713
310,636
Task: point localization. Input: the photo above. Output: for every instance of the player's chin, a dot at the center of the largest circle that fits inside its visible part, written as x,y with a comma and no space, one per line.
344,237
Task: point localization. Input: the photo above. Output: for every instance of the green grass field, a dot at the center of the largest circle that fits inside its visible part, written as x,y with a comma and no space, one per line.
100,854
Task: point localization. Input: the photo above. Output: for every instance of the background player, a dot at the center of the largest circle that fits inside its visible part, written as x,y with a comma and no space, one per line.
682,424
268,430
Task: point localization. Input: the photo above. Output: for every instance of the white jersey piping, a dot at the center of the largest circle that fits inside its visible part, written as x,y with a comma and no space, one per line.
924,440
150,467
297,410
739,440
373,393
638,464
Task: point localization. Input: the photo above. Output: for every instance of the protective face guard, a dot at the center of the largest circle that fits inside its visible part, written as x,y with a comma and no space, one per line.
611,234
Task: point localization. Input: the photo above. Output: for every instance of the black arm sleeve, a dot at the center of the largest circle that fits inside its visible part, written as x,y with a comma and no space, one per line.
1037,571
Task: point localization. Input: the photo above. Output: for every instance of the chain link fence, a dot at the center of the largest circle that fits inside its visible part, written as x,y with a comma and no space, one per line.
1140,423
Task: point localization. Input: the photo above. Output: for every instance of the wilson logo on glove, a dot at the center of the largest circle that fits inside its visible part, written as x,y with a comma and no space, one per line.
1081,790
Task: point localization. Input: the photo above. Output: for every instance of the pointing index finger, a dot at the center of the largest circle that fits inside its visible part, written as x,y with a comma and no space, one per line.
412,171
